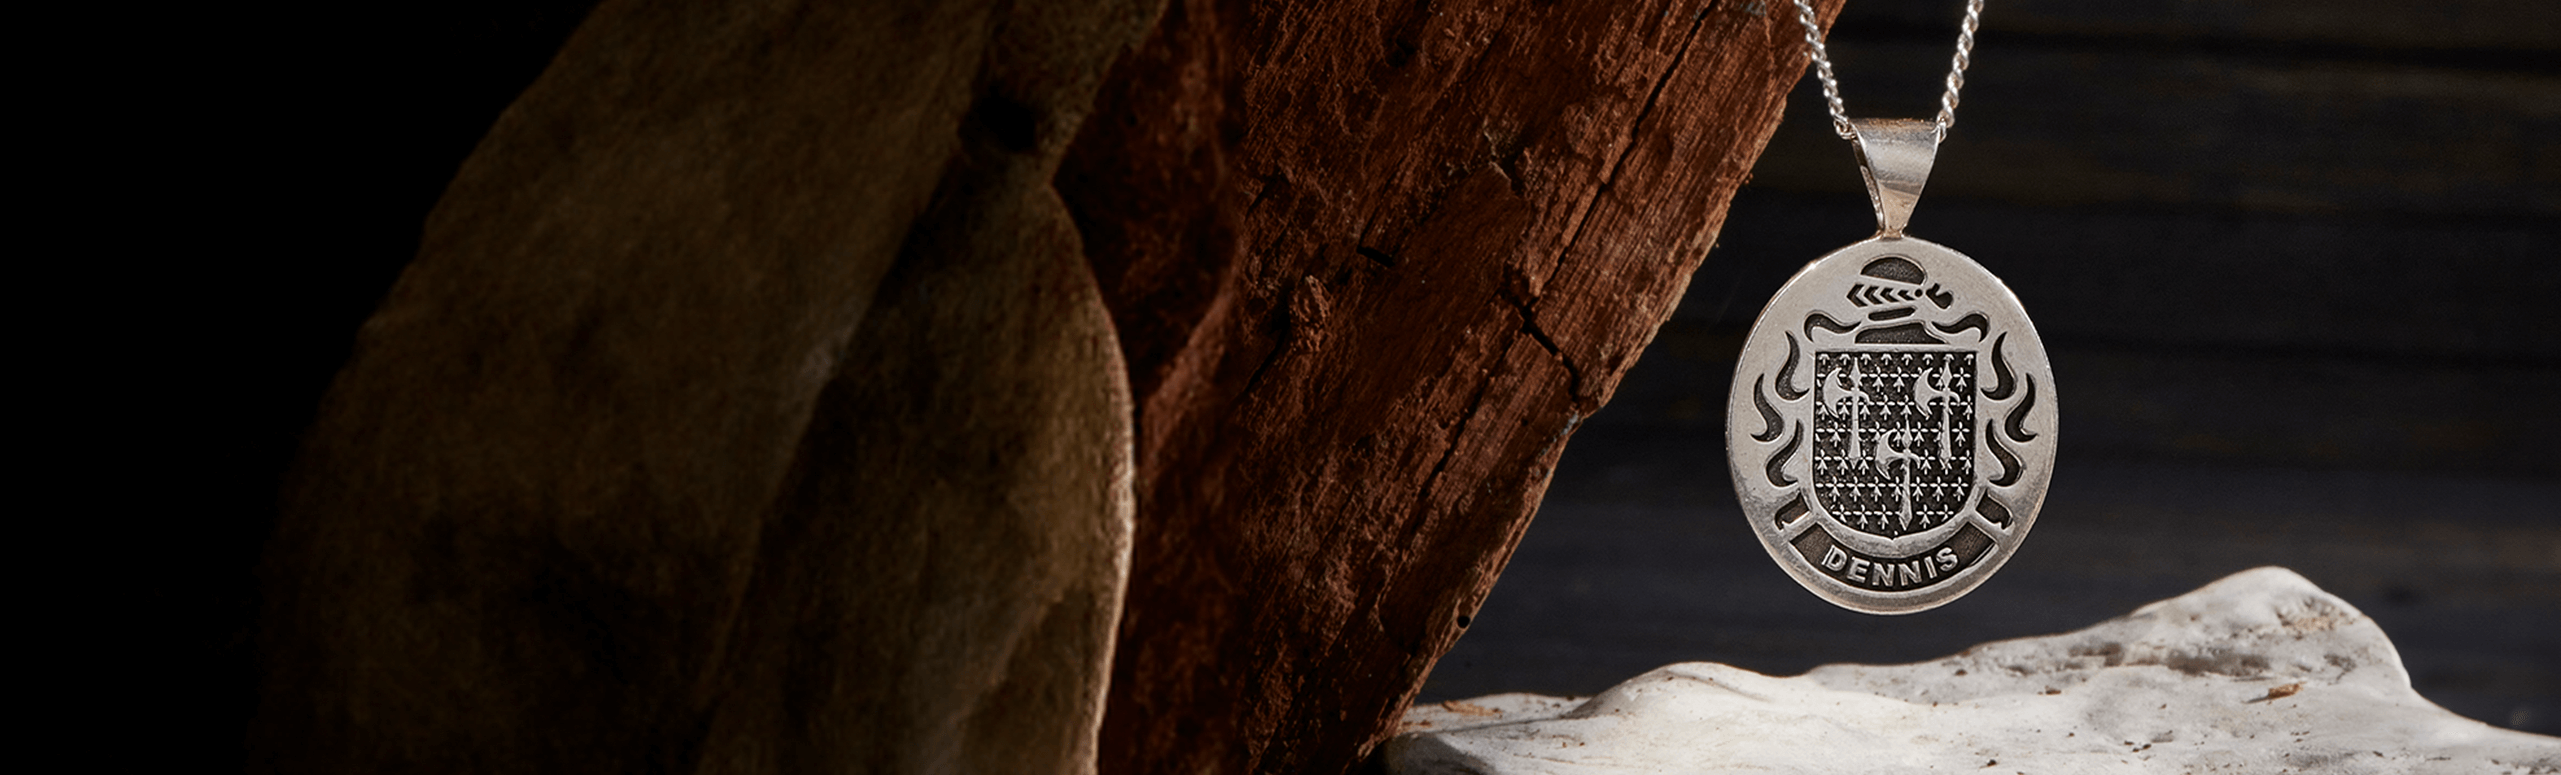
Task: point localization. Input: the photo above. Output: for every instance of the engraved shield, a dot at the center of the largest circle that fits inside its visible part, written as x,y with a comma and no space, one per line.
1894,455
1891,426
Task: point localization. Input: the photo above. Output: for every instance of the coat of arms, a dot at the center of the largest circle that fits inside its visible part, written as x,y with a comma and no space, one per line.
1892,425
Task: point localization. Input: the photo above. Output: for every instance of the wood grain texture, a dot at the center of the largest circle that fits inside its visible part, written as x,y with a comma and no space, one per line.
749,408
1454,226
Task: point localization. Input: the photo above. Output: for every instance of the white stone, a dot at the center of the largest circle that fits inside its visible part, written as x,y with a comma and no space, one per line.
2261,672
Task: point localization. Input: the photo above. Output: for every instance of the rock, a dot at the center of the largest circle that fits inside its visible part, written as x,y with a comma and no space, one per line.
749,407
2258,672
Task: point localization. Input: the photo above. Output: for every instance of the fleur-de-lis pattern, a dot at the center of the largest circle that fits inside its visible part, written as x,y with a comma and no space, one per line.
1893,453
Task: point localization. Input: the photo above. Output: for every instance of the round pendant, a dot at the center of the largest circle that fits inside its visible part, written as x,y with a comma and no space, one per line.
1891,428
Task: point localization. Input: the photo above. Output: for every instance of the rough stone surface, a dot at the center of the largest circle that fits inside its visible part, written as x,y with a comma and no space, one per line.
1373,261
749,407
2258,672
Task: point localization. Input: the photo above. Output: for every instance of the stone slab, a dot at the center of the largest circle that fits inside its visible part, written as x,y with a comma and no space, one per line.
2259,672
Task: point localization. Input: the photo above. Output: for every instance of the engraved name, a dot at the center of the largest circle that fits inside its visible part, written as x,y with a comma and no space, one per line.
1866,571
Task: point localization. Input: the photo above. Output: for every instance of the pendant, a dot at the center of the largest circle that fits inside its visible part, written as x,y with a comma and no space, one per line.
1891,427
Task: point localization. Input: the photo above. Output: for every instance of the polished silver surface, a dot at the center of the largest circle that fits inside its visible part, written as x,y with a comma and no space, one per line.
1891,427
1894,156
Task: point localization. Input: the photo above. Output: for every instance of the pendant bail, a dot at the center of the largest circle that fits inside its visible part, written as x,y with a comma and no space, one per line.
1894,156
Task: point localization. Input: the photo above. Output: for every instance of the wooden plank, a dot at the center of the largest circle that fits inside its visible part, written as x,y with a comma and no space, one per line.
1455,225
2348,285
2260,408
2068,127
2203,222
2380,26
2174,328
2216,407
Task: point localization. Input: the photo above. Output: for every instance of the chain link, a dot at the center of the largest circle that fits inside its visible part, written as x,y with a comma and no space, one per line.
1832,86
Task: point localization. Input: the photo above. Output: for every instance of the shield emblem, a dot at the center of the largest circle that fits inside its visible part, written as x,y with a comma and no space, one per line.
1893,452
1891,429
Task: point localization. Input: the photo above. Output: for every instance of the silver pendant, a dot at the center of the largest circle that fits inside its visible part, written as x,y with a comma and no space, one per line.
1891,427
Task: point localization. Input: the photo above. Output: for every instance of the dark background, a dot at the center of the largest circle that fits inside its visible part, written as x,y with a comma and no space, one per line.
2292,258
2295,262
229,191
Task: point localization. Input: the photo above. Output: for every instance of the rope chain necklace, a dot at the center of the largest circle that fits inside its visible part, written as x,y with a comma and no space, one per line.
1891,426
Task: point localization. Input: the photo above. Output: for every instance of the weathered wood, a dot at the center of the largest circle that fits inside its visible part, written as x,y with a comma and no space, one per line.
748,408
1455,226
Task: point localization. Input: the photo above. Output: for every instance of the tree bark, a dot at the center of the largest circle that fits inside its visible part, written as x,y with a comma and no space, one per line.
1372,262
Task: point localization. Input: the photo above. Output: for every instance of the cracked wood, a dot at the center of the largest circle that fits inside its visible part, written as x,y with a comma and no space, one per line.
1372,263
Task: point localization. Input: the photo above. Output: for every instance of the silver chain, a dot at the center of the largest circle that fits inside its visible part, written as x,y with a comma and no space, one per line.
1832,87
